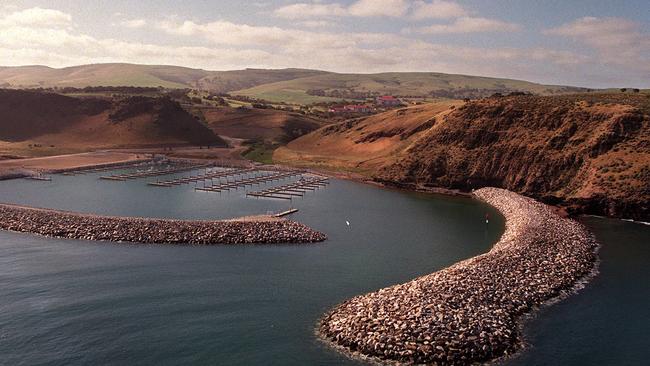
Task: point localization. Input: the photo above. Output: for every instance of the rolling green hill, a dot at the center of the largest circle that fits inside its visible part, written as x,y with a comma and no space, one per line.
227,81
144,76
331,86
298,86
101,75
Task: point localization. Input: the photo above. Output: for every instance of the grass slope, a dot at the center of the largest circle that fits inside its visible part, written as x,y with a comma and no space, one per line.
363,145
283,85
101,75
36,123
119,74
405,84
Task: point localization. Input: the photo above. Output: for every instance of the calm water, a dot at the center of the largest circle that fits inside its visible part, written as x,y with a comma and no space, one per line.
68,302
606,323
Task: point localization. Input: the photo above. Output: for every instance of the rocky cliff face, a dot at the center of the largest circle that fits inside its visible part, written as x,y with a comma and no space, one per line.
589,153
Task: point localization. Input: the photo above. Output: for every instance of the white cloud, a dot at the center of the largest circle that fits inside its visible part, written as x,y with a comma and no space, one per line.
469,25
36,17
376,8
304,10
617,41
228,33
133,23
437,9
316,23
360,8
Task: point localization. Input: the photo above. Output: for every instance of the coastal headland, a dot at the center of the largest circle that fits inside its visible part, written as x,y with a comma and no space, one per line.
61,224
472,311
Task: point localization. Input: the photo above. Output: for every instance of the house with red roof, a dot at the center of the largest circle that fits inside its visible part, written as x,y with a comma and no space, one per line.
388,101
358,108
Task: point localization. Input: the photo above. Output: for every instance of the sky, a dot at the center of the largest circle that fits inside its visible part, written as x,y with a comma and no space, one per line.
589,43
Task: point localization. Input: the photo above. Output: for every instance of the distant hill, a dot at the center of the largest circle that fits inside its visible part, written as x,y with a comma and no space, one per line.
589,152
100,75
228,81
144,76
330,86
42,121
298,86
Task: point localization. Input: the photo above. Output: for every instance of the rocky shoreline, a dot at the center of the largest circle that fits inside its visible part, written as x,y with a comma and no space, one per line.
61,224
470,312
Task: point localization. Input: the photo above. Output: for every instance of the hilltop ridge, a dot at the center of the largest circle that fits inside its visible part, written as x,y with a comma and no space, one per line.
300,86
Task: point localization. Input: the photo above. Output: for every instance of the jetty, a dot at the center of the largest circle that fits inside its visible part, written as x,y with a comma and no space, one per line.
236,184
471,312
218,174
156,172
286,213
71,225
296,189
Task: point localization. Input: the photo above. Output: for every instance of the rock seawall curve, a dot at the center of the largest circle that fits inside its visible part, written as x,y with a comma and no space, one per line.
471,311
62,224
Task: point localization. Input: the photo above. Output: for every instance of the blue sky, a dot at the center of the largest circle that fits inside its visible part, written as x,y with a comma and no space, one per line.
586,43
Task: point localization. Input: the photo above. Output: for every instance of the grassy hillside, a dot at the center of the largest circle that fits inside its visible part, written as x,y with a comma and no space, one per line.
259,124
285,85
36,123
144,76
262,130
327,87
227,81
363,145
587,152
101,75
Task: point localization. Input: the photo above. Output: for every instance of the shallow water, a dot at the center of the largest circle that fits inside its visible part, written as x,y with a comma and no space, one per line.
66,302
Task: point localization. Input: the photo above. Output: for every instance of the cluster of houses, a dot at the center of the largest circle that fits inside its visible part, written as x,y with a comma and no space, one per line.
382,101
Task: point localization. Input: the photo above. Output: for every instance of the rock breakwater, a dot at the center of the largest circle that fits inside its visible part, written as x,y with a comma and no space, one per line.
470,312
62,224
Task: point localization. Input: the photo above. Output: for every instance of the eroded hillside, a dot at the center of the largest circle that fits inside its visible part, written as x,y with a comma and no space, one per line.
589,153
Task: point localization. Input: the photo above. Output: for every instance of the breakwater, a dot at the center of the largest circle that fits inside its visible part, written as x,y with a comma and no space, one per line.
470,312
61,224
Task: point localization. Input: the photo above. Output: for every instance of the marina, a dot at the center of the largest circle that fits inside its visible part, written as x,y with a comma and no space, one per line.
244,182
177,168
296,189
203,177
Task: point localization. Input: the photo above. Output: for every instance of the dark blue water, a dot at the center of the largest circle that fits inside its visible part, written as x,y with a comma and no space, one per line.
608,322
68,302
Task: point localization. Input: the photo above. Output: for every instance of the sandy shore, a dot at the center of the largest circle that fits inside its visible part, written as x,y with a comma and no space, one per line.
470,312
61,224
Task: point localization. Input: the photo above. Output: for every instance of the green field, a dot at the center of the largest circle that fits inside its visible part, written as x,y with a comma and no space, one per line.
261,152
401,84
282,85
